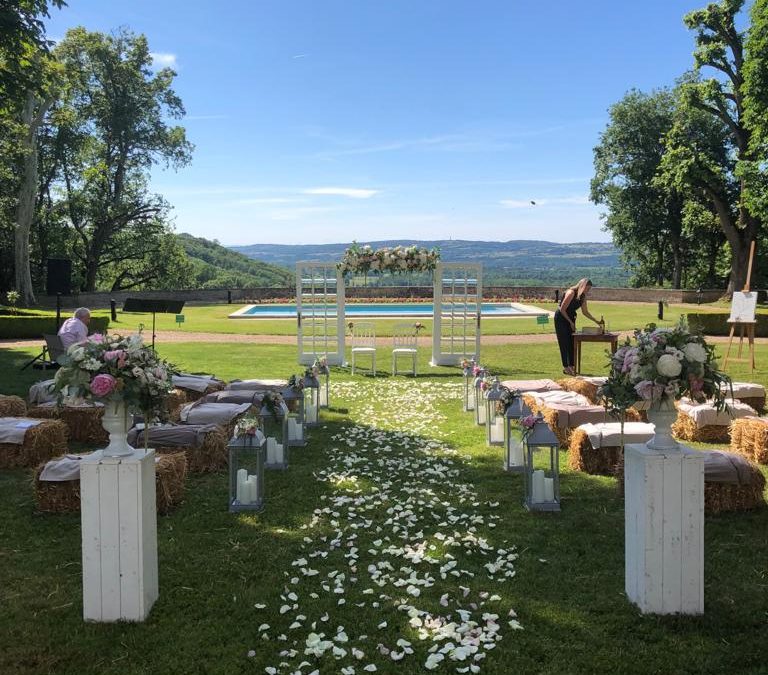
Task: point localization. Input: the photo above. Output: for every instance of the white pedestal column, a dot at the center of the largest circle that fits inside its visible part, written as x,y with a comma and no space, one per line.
664,529
119,530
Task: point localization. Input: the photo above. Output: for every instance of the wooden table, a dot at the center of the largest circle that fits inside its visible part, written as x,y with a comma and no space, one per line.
580,338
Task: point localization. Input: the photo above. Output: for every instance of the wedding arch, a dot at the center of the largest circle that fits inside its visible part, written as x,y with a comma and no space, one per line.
321,305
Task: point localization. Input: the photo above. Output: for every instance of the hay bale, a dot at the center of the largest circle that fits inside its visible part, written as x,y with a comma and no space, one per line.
749,438
685,429
193,395
176,398
724,497
83,422
12,406
756,402
583,457
41,442
64,496
211,455
581,386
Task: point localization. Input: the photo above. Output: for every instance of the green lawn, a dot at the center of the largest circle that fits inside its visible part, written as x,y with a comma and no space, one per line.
215,566
213,319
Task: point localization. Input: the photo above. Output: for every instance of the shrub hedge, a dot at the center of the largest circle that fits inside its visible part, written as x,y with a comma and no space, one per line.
717,324
18,327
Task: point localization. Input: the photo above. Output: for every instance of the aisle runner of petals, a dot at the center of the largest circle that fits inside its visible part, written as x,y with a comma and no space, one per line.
401,543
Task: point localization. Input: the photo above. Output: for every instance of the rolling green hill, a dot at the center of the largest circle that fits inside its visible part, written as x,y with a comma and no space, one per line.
215,266
520,262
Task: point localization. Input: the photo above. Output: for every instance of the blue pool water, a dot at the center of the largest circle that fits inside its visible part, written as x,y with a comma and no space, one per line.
384,309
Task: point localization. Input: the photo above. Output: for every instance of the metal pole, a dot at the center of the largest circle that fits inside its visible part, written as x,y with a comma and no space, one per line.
58,311
113,309
661,310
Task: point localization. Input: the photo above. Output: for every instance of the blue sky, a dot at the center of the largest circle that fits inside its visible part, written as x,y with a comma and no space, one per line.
320,121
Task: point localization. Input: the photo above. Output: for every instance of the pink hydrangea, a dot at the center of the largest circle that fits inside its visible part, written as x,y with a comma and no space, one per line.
96,338
103,385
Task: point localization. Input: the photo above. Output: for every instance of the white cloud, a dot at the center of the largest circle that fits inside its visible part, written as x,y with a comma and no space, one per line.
351,193
163,59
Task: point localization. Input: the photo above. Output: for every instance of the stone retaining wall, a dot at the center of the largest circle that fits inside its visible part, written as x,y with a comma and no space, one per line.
256,295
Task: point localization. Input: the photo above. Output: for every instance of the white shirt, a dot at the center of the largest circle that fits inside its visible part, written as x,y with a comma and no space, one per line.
73,331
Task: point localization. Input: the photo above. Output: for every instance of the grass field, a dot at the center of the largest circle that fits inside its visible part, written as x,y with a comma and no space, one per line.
567,592
213,319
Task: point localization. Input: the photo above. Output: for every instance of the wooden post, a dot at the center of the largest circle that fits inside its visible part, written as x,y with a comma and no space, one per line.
119,533
664,530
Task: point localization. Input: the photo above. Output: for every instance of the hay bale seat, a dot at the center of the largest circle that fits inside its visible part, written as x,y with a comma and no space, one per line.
196,386
205,446
257,385
586,386
702,423
176,398
64,496
83,421
225,415
742,490
596,448
525,386
12,406
751,393
749,438
41,442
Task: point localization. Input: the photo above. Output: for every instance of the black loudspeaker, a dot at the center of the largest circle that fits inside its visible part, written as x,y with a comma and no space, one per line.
59,276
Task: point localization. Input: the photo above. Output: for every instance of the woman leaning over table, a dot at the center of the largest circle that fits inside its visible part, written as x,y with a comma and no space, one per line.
574,298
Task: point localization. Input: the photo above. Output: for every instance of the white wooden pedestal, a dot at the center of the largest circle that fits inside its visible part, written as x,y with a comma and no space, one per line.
664,526
119,527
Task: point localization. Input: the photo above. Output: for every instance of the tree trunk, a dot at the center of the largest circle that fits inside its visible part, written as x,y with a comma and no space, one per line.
25,209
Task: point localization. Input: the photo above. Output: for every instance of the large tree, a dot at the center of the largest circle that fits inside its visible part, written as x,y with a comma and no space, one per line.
109,129
645,218
695,164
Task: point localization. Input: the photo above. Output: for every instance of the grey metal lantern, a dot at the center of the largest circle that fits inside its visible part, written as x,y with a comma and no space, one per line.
514,447
469,386
246,472
479,399
311,400
494,419
294,400
542,478
274,423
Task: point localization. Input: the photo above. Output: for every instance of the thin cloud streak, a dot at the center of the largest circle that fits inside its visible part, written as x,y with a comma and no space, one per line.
580,200
163,60
351,193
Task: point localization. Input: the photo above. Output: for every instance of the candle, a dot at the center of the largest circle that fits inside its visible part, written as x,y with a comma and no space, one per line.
481,413
515,456
497,431
311,413
271,450
298,430
253,489
537,492
291,429
242,494
549,489
323,397
279,453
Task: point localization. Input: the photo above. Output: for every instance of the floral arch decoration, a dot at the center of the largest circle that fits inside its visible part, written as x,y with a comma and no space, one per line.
398,260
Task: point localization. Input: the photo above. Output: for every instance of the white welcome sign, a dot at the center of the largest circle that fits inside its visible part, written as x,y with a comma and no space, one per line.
743,305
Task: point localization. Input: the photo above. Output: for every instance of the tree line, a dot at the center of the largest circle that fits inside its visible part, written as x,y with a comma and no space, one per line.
82,123
682,170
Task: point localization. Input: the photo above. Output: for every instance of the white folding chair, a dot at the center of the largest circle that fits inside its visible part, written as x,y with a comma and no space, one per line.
364,342
404,344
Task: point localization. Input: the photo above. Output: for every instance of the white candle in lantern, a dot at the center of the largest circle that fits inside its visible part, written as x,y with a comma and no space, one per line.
481,412
497,430
537,491
549,489
291,430
279,459
323,397
311,413
242,494
253,489
515,452
271,450
298,429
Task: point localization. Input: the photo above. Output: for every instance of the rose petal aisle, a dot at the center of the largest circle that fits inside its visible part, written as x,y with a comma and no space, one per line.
401,548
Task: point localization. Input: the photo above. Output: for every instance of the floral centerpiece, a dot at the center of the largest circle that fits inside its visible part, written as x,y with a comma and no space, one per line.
121,373
662,365
248,426
320,366
400,259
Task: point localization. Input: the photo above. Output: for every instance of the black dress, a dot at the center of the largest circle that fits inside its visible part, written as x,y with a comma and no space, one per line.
565,332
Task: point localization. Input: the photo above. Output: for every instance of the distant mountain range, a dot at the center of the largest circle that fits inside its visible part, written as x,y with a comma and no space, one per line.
518,262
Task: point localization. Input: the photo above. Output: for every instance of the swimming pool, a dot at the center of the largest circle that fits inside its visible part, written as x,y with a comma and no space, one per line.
384,310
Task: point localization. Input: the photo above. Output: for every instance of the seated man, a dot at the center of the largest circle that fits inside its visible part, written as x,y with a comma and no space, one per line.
75,329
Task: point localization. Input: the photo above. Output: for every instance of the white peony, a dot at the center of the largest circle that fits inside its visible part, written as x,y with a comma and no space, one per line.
695,352
668,366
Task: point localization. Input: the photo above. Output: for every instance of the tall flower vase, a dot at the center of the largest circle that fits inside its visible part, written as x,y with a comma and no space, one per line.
116,421
663,414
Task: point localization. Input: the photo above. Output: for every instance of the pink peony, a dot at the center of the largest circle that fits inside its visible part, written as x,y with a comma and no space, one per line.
102,385
114,354
96,338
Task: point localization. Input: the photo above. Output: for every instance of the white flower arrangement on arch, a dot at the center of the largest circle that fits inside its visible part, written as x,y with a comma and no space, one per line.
359,259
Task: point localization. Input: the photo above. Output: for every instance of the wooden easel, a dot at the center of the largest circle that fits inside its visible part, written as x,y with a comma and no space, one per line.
745,327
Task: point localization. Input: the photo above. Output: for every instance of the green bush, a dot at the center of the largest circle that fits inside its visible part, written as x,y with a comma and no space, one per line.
717,324
18,327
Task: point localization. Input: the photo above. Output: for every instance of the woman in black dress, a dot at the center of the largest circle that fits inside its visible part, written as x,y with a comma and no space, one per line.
565,321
